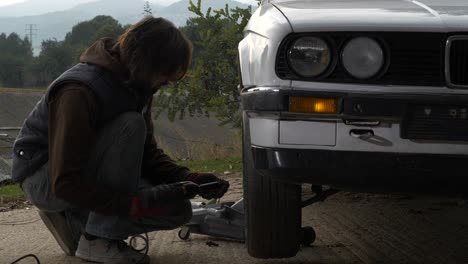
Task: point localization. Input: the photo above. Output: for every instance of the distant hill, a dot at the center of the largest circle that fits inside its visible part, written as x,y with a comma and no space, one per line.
38,7
57,24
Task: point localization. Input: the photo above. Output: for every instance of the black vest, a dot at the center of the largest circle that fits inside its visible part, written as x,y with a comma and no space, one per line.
114,97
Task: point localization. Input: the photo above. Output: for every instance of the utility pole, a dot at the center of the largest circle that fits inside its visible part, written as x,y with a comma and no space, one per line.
31,30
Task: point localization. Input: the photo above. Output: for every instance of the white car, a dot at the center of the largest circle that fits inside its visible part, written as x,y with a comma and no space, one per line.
360,95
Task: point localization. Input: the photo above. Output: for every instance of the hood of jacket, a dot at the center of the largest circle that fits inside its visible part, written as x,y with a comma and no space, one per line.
104,53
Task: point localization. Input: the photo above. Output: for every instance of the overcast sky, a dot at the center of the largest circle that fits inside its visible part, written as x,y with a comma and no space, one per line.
162,2
9,2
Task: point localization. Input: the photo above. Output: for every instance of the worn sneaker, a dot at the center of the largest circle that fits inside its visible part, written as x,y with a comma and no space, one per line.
58,225
102,250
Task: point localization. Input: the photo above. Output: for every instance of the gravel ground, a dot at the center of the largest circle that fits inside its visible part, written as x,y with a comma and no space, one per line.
351,228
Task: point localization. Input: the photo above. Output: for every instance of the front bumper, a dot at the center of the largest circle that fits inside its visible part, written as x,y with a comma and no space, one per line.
388,106
434,174
397,119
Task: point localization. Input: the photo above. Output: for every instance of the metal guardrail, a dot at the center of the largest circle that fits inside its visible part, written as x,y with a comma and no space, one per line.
5,138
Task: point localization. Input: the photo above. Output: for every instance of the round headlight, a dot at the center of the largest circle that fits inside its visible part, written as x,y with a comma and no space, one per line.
309,56
363,57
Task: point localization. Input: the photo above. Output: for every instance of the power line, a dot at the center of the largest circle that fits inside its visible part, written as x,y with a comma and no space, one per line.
31,30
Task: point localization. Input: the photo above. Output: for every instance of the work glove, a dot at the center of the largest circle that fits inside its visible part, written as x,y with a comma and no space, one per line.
215,192
154,200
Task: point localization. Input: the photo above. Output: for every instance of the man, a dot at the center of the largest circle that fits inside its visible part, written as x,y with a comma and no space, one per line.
86,155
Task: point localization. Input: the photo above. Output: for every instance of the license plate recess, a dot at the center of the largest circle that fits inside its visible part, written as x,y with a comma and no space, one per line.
436,122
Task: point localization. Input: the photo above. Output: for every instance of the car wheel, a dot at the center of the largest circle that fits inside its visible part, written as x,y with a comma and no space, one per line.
308,236
272,208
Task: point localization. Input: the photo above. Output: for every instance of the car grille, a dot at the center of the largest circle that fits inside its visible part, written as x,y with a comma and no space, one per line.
457,65
414,58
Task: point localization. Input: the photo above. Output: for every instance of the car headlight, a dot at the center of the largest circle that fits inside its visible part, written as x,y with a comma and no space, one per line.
363,57
309,56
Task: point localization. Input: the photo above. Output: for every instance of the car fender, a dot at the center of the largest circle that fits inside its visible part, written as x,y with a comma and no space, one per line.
257,51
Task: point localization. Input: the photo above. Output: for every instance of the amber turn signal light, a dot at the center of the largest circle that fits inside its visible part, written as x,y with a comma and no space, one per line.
312,105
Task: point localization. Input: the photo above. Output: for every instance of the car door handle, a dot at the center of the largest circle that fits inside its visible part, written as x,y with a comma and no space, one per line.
361,133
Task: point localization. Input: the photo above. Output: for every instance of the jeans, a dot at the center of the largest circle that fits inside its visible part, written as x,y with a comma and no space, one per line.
115,163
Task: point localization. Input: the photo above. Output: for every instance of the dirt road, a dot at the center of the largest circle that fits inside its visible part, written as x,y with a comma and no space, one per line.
351,228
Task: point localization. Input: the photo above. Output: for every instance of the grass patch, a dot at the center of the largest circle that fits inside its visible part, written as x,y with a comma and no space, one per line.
232,164
11,193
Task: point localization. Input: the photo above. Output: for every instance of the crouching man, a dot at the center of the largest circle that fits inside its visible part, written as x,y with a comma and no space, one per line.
86,155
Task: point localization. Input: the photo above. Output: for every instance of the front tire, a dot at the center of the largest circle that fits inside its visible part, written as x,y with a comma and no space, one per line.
272,208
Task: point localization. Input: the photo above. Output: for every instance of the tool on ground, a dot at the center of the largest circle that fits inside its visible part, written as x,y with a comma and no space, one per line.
226,220
223,220
27,256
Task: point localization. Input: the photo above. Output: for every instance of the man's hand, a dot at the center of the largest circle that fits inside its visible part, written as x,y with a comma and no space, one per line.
166,193
204,178
152,200
217,190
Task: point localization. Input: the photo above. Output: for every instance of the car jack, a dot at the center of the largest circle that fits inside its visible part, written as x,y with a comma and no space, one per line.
320,195
223,220
226,220
308,234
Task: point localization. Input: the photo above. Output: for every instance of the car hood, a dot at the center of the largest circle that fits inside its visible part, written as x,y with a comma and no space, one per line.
375,15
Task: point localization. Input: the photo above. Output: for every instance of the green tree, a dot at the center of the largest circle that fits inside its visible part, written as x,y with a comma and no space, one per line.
55,58
86,33
211,85
15,56
58,56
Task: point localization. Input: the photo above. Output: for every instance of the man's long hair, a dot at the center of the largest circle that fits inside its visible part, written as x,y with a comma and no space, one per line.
154,46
